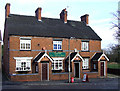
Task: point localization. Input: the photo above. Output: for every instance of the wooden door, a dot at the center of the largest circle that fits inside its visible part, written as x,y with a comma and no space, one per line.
102,68
44,71
77,70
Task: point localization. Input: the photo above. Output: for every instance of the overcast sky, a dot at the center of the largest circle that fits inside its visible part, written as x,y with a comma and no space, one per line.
100,13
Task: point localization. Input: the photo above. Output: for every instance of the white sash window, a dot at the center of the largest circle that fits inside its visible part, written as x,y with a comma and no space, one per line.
57,45
85,63
85,46
25,44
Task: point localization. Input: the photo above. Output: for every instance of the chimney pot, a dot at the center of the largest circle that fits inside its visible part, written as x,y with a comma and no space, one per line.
7,10
85,18
38,13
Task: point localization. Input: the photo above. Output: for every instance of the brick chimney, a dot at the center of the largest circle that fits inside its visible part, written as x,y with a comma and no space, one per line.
38,13
85,18
63,15
7,10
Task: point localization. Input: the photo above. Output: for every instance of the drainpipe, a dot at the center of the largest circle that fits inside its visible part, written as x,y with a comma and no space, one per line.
69,56
69,60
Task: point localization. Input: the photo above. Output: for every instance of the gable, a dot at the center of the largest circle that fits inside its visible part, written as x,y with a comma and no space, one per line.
42,56
103,57
45,58
99,56
78,57
74,56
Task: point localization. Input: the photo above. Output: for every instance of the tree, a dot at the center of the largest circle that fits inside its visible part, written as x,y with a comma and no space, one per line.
117,25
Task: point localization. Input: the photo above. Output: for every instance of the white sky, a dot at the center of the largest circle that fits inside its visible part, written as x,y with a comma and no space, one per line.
99,11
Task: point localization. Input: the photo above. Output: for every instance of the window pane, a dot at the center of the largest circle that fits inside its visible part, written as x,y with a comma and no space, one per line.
59,46
23,46
55,46
27,46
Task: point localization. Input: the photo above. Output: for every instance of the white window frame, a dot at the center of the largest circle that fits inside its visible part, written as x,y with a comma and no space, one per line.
85,64
20,60
85,46
59,61
57,43
25,41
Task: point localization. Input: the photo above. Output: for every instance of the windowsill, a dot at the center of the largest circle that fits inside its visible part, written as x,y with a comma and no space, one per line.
86,69
58,50
25,50
57,69
22,70
61,73
85,51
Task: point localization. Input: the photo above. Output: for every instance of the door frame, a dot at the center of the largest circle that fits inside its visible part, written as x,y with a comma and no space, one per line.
47,71
104,68
79,68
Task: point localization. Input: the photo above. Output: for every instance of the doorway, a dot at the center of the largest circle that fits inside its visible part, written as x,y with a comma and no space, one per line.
77,70
102,69
45,71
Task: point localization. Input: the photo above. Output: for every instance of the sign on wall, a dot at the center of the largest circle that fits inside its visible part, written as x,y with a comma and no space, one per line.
57,54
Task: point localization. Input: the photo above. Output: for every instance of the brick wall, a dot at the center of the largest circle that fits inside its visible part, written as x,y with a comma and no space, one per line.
37,43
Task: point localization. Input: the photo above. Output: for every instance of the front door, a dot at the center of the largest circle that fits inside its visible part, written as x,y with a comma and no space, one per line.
102,68
77,70
44,71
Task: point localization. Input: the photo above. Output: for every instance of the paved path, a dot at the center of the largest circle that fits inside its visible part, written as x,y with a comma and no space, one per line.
111,82
99,83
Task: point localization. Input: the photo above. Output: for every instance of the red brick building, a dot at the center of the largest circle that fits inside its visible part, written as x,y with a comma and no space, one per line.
37,48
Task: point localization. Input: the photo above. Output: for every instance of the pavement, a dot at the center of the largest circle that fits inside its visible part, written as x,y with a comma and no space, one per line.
112,82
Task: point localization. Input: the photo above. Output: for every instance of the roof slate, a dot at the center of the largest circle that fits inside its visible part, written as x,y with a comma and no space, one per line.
72,55
39,56
48,27
97,56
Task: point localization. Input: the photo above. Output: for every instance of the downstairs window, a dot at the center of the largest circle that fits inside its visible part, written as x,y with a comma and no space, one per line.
57,64
23,64
85,63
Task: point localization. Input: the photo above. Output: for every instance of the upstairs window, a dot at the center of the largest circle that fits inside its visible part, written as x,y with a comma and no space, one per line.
85,63
85,46
57,45
25,44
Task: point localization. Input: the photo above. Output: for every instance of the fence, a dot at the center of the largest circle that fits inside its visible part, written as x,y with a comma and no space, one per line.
113,71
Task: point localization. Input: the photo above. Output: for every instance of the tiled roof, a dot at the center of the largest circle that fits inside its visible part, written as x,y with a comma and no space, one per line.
39,56
97,56
72,55
49,27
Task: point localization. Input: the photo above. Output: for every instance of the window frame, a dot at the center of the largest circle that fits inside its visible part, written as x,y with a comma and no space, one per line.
20,60
25,41
58,45
57,61
85,44
85,65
